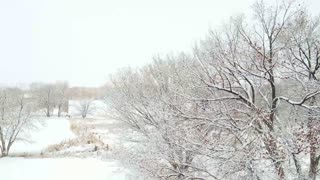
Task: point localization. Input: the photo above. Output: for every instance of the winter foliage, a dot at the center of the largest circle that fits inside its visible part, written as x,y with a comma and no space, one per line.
243,105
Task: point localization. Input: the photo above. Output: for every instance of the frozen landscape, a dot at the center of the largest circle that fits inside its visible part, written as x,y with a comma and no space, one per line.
35,167
159,90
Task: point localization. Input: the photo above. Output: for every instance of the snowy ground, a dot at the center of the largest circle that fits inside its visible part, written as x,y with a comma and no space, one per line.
60,169
53,131
69,168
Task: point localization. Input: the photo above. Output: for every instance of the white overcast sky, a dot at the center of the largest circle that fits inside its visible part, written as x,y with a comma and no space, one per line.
83,41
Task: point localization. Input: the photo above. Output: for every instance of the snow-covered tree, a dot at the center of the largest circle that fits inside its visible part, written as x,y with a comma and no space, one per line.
61,97
85,107
50,96
15,117
45,97
242,106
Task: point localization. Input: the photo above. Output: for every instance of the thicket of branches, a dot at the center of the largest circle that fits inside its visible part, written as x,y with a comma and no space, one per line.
243,105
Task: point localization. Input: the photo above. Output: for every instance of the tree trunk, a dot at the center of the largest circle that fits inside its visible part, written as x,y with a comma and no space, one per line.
48,111
59,110
4,150
312,126
3,144
314,162
272,148
297,165
4,154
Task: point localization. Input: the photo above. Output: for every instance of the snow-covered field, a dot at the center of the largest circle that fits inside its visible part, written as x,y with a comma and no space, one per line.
52,131
60,169
68,168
